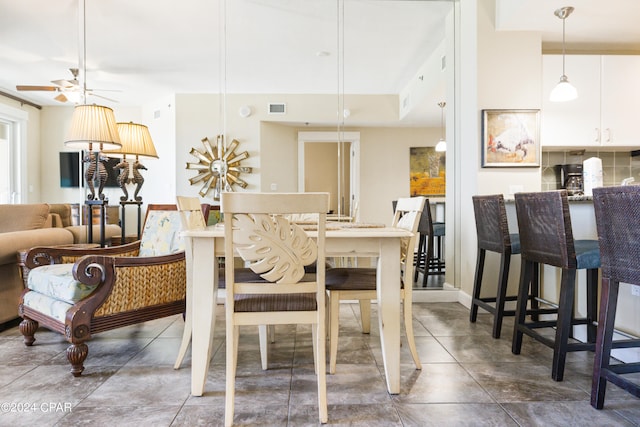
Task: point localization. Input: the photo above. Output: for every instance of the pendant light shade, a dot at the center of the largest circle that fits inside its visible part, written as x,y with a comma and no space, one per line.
564,91
442,144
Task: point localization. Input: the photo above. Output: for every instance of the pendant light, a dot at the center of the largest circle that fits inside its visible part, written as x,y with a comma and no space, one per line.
564,91
442,144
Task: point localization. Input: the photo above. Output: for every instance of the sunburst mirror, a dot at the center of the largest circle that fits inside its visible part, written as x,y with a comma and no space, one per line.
218,168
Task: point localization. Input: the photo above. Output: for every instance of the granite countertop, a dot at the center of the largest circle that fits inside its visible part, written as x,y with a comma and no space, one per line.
583,198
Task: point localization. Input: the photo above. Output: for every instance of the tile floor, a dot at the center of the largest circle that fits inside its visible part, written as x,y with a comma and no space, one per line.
468,379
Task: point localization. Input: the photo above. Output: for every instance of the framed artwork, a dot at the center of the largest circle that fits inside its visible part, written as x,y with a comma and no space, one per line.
511,138
427,169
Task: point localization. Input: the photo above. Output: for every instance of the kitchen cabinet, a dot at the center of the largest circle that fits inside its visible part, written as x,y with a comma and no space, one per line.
607,108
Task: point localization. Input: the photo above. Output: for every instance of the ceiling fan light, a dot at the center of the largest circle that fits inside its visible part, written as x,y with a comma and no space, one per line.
441,145
564,91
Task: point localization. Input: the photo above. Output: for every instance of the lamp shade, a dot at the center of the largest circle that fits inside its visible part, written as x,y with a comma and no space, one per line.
93,124
441,145
136,140
564,91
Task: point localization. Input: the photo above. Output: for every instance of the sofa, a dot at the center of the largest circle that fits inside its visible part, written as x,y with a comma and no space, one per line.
61,218
22,227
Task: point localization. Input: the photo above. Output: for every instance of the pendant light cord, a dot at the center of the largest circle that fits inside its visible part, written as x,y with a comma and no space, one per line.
82,51
340,82
563,48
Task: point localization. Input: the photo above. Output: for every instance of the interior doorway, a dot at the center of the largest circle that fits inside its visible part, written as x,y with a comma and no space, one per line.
329,162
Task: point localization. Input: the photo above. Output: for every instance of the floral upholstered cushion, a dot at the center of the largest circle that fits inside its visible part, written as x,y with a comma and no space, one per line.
57,281
47,305
161,234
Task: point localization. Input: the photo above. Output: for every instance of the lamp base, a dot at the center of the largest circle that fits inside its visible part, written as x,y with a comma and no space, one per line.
103,214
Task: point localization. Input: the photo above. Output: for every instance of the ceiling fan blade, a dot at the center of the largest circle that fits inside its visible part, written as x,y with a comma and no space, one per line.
64,83
40,88
100,96
104,90
61,98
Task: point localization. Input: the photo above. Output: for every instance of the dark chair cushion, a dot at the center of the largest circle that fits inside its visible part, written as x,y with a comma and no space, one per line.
515,243
269,302
438,229
587,253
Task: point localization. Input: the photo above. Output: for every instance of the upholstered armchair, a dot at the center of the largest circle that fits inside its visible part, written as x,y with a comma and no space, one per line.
80,292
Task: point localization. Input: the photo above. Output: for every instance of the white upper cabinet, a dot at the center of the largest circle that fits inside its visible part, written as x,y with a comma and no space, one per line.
607,107
620,104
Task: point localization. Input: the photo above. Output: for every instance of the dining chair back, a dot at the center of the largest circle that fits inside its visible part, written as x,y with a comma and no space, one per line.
617,212
258,231
348,283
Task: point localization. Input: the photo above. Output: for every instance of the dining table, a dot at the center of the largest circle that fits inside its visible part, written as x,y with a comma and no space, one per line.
380,243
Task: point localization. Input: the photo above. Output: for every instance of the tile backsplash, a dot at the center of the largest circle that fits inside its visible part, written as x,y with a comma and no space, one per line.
616,166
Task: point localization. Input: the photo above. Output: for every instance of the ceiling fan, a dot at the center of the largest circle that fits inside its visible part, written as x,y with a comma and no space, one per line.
64,87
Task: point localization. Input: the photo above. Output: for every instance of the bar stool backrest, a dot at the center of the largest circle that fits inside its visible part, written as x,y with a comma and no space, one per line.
545,229
491,223
617,212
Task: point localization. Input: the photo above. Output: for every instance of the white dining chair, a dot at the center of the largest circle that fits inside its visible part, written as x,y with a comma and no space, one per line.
278,251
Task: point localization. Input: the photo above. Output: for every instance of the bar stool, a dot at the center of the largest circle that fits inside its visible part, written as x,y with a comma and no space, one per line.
428,261
493,234
618,221
546,237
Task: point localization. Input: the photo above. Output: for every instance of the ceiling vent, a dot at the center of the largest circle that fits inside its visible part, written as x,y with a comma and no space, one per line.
277,108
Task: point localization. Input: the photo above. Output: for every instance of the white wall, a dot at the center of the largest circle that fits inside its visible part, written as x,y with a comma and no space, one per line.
502,70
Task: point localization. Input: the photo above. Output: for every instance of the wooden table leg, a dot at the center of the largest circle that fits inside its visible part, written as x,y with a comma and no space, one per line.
388,287
205,291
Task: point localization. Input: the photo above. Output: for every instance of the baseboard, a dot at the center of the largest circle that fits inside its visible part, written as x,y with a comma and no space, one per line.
10,324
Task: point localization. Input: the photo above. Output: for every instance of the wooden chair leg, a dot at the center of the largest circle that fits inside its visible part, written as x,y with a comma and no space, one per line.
535,290
76,355
420,257
521,305
563,326
264,346
592,304
427,260
365,315
231,361
608,304
505,261
186,332
333,334
321,366
28,330
477,283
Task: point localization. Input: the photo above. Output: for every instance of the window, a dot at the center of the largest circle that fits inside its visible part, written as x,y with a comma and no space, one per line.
12,121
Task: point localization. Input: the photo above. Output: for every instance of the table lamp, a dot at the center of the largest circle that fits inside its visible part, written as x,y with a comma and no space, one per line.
136,141
93,128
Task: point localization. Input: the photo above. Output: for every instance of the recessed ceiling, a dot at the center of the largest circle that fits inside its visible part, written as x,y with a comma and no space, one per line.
148,48
141,51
